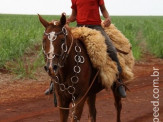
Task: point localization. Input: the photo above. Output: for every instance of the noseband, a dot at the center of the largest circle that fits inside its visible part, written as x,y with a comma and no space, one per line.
52,36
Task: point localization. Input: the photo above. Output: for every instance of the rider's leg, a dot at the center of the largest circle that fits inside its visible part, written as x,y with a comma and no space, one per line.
50,89
113,55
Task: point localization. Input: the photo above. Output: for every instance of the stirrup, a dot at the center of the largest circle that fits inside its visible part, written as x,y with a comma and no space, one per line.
120,83
120,88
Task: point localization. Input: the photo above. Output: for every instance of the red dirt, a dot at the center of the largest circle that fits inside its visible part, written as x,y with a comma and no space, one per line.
25,101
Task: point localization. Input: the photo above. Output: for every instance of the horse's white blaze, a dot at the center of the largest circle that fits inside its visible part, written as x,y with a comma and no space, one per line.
51,36
51,50
51,53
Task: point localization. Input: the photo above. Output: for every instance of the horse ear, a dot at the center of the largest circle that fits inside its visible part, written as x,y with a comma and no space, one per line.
44,22
63,19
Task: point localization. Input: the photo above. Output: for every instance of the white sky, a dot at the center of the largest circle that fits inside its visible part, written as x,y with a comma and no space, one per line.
56,7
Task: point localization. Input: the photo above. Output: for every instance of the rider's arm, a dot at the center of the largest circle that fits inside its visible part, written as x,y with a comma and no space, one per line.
72,17
105,14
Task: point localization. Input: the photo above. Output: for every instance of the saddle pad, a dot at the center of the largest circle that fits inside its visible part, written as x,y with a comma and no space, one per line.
118,39
96,48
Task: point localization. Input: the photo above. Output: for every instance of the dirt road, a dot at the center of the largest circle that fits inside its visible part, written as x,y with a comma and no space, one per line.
25,101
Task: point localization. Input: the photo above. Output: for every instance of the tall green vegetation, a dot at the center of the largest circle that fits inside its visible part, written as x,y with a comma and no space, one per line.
144,32
21,35
20,39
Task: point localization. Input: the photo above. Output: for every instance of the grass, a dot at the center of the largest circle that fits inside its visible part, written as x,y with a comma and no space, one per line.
142,30
21,35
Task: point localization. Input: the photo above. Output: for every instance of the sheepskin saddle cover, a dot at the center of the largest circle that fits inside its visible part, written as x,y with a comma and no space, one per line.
97,51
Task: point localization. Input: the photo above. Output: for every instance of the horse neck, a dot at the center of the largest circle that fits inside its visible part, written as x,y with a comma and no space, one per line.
70,61
70,55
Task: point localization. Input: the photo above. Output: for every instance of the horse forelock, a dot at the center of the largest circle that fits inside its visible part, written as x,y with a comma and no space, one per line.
54,22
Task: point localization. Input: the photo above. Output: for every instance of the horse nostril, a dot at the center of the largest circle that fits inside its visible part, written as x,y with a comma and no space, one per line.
46,69
55,67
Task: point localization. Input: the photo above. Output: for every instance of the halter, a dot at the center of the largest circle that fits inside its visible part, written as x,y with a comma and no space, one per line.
52,36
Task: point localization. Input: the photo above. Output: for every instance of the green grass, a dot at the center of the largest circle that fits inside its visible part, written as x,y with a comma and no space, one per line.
21,35
142,30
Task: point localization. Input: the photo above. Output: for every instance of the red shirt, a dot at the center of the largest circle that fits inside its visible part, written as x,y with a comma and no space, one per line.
87,11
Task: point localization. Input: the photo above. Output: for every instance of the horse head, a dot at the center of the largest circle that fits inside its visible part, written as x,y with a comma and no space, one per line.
55,48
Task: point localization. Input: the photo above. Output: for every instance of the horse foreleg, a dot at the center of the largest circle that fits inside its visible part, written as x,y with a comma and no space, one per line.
92,109
78,111
63,113
118,104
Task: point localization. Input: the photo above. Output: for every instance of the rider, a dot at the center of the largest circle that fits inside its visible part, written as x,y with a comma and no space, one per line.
86,13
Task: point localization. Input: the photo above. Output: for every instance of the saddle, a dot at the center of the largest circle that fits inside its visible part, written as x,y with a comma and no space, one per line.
96,49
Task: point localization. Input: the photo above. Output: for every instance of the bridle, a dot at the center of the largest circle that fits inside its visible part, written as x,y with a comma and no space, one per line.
52,36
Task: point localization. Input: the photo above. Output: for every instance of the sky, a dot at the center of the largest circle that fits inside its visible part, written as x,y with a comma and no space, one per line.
56,7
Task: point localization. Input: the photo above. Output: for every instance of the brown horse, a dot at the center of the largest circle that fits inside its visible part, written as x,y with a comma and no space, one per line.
68,64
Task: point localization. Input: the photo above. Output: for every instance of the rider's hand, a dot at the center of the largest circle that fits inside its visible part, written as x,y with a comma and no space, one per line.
107,22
